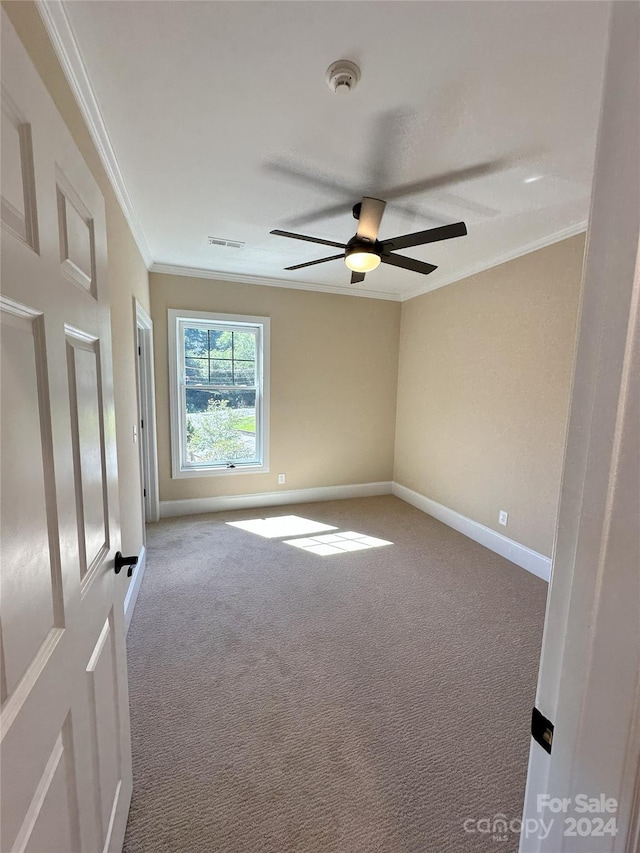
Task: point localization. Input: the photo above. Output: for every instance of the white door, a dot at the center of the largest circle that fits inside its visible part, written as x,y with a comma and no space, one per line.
65,752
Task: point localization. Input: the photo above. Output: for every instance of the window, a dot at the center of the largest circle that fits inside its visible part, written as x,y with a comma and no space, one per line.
219,393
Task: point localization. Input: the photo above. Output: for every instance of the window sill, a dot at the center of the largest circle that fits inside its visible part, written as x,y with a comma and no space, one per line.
183,473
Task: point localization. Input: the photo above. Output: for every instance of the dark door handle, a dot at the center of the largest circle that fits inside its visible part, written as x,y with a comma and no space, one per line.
121,561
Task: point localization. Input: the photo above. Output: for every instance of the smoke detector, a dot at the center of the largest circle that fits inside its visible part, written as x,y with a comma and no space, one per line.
342,76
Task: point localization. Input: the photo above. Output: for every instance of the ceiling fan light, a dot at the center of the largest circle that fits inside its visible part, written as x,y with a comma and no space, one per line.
360,261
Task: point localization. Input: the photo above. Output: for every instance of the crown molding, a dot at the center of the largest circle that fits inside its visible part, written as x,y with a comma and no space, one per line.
534,246
58,27
217,275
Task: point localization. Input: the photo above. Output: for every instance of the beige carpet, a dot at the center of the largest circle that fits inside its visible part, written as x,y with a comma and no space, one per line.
368,702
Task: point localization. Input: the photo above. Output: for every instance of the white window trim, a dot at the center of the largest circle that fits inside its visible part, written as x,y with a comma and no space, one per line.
178,471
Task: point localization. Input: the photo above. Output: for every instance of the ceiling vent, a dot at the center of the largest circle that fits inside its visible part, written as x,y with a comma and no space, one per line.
229,244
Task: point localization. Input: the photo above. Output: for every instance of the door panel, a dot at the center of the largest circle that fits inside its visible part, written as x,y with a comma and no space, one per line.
65,763
31,605
87,431
54,804
76,230
18,202
105,724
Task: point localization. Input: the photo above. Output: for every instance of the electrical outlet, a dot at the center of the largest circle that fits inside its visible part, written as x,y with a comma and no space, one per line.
503,517
282,478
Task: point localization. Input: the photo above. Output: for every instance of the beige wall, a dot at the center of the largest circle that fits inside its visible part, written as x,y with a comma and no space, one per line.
334,363
483,391
128,277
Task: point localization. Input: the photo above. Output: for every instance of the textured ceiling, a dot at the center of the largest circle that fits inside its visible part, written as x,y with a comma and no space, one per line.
223,125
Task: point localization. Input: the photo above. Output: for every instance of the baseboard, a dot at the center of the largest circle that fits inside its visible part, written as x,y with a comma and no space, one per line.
134,586
519,554
195,506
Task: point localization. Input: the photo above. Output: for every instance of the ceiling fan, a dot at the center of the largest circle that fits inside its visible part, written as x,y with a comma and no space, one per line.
364,252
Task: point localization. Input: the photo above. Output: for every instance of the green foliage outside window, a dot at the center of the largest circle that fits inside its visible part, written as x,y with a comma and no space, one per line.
215,435
220,419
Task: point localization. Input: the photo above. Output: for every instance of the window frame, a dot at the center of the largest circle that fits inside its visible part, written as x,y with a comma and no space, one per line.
177,320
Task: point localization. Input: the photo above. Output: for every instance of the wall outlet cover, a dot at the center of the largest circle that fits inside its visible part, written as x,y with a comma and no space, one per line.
503,517
282,478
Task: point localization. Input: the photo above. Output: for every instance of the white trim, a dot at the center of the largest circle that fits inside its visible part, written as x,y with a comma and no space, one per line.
519,554
521,251
134,587
195,506
60,31
147,398
217,275
175,318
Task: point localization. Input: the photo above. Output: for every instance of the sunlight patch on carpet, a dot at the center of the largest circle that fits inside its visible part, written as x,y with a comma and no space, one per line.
337,543
282,525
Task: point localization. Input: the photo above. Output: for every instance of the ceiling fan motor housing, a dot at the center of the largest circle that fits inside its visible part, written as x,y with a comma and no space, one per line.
361,244
342,76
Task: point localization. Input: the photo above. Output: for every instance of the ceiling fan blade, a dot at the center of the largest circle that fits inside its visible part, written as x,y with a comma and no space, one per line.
445,179
408,264
342,209
357,277
313,263
419,238
337,187
279,233
385,131
370,218
305,176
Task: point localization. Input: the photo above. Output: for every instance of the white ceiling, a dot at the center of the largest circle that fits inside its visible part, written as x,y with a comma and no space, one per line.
220,119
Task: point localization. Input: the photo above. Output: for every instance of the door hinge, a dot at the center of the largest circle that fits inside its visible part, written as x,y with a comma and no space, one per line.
144,493
139,351
541,730
141,424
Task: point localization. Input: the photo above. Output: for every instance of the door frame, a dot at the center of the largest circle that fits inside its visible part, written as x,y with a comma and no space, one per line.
589,680
145,383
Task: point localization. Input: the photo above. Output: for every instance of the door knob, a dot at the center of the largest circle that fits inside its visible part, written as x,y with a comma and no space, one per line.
121,561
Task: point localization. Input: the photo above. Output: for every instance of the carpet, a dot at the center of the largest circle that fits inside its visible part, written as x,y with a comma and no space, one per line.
369,701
